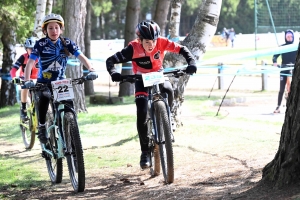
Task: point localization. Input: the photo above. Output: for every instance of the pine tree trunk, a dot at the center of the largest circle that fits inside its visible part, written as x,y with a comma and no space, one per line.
283,170
175,18
89,85
161,15
74,16
132,13
8,92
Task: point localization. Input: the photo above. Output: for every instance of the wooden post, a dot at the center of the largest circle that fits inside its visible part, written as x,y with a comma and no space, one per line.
220,77
264,77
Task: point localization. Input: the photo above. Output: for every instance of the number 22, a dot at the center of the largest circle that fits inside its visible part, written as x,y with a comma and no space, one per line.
62,89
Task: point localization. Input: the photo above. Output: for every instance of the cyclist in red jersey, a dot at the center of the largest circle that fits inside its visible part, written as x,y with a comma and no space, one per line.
147,54
20,65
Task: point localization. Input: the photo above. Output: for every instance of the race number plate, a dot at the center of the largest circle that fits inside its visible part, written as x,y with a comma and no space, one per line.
62,90
153,78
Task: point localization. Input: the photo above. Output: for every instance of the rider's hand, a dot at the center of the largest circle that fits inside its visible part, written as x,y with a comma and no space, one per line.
28,84
16,80
116,77
191,69
92,76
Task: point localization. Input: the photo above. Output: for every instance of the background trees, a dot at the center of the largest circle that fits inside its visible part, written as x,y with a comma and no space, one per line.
14,19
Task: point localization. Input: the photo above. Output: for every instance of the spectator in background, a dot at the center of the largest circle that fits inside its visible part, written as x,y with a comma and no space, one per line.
232,36
225,35
21,63
285,76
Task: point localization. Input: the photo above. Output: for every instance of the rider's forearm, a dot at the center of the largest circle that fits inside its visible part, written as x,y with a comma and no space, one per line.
85,61
28,68
185,52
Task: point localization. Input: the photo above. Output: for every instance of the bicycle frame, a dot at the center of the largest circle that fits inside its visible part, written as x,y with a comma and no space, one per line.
58,124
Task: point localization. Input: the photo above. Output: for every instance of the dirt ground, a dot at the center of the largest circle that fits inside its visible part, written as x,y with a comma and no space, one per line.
198,175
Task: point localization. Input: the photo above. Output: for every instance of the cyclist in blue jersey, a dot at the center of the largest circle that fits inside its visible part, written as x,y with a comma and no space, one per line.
52,52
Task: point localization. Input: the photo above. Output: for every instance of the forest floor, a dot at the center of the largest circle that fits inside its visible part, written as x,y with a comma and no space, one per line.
198,174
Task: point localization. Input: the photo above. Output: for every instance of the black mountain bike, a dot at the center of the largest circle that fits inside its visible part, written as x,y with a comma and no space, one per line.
159,123
63,134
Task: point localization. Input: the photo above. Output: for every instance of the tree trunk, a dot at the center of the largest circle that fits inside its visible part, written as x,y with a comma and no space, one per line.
40,13
8,92
49,7
74,16
201,34
175,18
283,170
132,14
89,85
161,14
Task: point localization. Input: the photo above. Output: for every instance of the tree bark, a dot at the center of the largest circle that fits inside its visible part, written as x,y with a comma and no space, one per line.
132,14
89,85
175,18
201,34
40,13
8,92
283,170
74,13
49,7
161,14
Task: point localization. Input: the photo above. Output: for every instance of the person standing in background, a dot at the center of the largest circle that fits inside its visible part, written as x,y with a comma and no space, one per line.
232,36
285,76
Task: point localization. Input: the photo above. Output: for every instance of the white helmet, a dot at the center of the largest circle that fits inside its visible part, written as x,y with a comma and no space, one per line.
53,18
29,43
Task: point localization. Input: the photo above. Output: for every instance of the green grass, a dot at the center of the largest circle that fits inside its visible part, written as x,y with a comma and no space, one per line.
110,139
214,53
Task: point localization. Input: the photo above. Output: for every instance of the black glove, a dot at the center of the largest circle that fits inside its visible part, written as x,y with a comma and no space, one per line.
191,69
116,77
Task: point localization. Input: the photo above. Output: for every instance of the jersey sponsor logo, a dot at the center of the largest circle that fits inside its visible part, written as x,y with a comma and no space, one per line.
47,75
43,43
55,66
156,55
144,63
141,96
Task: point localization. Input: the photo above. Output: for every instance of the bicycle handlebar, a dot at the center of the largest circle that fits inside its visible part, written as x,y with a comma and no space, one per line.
80,80
133,78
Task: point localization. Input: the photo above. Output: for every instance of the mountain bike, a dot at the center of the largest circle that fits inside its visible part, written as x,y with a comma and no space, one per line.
63,133
158,122
28,127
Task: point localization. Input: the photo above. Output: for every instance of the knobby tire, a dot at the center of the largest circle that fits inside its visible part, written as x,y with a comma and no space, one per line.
164,134
74,153
27,128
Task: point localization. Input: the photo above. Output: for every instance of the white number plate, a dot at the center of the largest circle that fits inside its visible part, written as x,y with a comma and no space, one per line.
62,89
153,78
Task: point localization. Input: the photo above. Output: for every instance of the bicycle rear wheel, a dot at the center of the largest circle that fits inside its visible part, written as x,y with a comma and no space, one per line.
74,152
28,128
54,164
164,135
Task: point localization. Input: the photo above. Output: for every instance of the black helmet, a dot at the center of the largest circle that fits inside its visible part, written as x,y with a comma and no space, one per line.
147,30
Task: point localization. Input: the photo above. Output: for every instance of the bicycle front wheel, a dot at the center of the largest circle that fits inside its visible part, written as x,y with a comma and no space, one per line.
165,145
28,128
74,152
54,164
155,159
